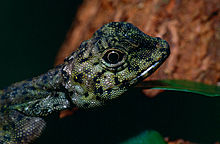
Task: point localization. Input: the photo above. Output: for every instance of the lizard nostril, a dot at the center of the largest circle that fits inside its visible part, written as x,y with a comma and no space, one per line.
161,43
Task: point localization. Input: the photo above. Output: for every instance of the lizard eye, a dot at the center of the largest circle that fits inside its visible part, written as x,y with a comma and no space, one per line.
113,57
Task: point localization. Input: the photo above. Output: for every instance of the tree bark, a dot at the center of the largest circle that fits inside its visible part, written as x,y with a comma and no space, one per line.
191,27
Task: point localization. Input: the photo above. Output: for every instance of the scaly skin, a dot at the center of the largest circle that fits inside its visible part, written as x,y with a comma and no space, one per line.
117,57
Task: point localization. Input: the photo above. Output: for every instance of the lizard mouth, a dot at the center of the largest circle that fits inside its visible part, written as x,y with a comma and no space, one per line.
149,70
142,75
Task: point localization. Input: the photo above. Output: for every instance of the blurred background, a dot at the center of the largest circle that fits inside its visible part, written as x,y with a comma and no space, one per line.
37,35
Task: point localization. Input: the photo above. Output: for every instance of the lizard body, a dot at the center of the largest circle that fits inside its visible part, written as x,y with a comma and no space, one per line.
117,57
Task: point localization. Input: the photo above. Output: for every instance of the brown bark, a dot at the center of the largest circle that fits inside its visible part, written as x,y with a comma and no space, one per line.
192,28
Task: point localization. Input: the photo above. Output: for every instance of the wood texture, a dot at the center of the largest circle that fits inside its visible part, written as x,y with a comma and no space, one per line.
192,28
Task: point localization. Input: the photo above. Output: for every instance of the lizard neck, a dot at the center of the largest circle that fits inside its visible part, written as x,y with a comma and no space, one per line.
34,87
38,96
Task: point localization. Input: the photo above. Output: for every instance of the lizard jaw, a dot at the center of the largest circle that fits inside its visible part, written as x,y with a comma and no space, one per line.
147,72
144,73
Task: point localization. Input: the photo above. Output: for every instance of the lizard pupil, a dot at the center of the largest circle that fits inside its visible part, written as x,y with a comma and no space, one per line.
113,57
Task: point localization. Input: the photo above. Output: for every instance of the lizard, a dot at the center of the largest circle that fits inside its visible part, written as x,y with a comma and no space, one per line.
117,57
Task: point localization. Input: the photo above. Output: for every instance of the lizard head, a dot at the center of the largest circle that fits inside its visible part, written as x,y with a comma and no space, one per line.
117,57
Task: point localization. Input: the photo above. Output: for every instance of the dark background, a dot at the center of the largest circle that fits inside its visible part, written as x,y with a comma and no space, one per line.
175,115
31,34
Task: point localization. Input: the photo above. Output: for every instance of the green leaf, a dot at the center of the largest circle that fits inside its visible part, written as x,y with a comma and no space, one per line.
147,137
182,85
